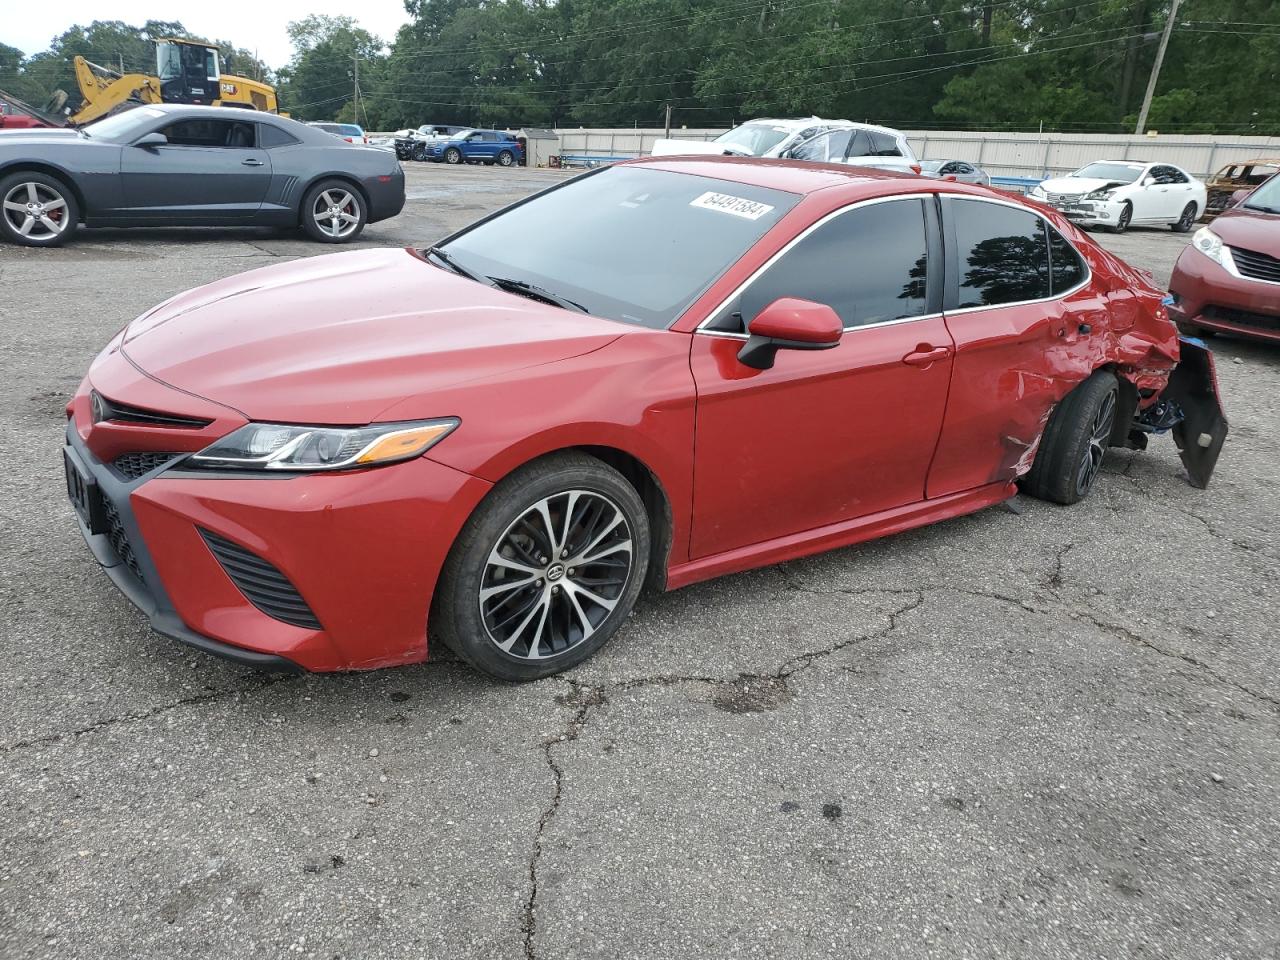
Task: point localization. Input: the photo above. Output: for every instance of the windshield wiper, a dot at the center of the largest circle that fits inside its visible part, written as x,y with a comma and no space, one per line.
448,260
537,293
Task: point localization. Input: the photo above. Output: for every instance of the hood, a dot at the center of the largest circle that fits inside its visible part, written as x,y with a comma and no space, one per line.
1077,185
699,148
1249,229
338,339
27,135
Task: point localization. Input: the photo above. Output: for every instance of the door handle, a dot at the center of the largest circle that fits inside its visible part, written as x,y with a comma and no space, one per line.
252,162
923,355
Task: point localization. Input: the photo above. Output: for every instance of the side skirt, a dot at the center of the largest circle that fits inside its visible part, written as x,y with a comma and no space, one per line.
840,534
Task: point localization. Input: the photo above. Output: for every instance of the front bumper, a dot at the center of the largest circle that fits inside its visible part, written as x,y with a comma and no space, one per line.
1087,213
1207,295
363,549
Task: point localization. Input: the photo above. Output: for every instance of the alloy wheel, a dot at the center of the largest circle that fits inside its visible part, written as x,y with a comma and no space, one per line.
1126,214
36,210
1099,436
505,159
556,574
1187,219
336,213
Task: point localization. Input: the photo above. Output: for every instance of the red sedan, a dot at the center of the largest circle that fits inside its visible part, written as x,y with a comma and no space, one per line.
1228,278
653,374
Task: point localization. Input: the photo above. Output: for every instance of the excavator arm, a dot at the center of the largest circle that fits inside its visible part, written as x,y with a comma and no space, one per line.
104,91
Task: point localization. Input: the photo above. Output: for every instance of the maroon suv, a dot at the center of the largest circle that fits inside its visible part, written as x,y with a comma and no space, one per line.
1228,278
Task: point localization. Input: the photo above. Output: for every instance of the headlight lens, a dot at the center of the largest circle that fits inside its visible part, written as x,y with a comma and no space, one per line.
267,446
1038,192
1210,244
1103,194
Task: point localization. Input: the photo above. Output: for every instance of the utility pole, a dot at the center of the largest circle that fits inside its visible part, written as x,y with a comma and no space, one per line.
356,79
667,135
1155,69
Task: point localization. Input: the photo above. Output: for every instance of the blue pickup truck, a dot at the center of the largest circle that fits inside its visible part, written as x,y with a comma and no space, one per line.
478,146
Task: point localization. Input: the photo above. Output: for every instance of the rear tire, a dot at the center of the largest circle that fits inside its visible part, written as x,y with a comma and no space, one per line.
506,158
1074,442
551,593
37,210
1185,222
322,223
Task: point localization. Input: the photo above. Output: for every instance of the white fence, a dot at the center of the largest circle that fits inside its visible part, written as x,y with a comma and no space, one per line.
1000,154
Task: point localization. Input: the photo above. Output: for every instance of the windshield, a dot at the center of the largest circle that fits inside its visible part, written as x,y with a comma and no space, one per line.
756,138
123,127
628,243
1266,198
1117,172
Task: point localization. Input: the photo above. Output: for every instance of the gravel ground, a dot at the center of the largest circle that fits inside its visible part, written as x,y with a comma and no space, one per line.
1034,731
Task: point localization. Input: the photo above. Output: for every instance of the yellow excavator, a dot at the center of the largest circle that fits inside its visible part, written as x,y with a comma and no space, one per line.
186,72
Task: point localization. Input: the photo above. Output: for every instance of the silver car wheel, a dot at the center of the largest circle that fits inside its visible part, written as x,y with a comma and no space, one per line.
36,211
336,213
556,574
1099,438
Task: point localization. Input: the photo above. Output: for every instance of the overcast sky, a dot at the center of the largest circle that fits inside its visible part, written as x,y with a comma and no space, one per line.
247,23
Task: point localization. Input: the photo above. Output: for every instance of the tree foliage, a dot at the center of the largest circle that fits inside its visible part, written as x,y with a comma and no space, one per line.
1069,65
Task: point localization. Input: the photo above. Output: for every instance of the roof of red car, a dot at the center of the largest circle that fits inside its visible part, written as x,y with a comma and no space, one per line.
793,176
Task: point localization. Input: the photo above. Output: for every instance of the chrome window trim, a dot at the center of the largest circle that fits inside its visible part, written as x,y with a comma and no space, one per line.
737,291
1088,270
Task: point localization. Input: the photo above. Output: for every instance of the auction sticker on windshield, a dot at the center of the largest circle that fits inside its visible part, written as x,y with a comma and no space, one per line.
738,206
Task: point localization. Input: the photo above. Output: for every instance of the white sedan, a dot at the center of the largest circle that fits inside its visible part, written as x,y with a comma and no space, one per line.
1123,193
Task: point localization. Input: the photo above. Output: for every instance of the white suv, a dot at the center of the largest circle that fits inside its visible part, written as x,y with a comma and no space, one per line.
860,145
755,138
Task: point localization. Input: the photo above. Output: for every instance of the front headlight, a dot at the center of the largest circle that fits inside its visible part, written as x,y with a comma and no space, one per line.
1103,194
1038,192
268,446
1211,245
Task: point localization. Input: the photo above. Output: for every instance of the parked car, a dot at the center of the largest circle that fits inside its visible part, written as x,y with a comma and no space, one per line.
1234,177
1228,278
12,119
1121,193
412,144
320,463
755,138
959,170
478,146
172,165
861,145
350,132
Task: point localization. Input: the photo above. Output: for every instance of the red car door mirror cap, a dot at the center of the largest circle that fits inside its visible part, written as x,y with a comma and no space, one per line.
793,320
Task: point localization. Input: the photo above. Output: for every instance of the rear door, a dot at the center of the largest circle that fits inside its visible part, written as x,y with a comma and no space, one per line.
1021,312
831,435
211,171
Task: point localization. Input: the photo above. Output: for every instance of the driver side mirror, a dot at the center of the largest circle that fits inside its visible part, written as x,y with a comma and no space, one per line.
789,324
1148,181
151,140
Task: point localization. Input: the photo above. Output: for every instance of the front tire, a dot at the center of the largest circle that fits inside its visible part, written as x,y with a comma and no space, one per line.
545,571
333,211
1074,442
1185,222
1126,217
37,210
418,152
453,155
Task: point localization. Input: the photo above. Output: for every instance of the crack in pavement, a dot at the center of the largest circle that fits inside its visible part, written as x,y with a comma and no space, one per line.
207,697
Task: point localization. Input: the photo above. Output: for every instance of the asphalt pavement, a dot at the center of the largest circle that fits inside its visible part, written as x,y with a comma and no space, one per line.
1032,732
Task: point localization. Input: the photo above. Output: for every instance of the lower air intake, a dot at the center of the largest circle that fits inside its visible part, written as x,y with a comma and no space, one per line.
262,584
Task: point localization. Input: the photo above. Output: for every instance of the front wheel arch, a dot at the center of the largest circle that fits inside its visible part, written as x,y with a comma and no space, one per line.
56,173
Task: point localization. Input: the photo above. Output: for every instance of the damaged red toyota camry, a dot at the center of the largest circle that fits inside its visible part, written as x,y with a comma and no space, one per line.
653,374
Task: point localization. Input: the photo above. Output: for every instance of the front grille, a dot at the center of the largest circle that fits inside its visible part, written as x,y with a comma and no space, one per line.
105,409
133,465
1060,198
1245,318
119,540
1257,266
262,584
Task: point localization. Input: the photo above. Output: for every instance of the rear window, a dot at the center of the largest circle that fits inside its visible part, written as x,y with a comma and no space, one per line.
350,130
628,243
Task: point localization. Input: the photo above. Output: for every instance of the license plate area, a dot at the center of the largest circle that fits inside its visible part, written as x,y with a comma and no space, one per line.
84,494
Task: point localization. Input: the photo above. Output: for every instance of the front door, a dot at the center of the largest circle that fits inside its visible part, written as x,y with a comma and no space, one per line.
211,171
831,435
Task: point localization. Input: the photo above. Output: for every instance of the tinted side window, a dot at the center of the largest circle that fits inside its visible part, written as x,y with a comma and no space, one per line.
210,133
828,147
272,136
1003,254
883,145
1066,266
861,145
869,265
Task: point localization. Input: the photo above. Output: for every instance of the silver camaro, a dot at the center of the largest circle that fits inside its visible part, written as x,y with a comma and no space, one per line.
170,165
